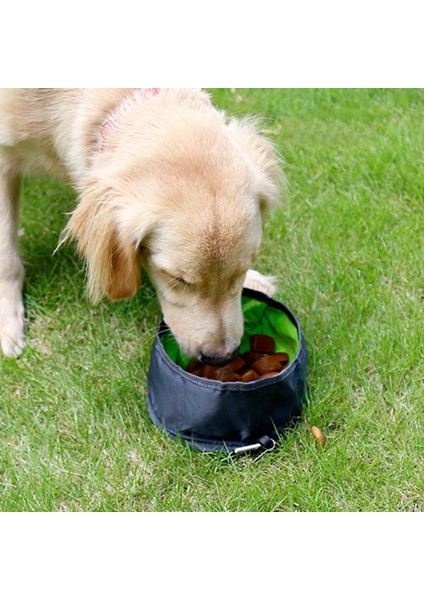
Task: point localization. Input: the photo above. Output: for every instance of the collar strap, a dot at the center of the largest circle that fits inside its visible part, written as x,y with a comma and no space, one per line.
137,95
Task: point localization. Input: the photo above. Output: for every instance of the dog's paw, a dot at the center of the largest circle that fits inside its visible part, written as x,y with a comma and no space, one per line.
12,338
262,283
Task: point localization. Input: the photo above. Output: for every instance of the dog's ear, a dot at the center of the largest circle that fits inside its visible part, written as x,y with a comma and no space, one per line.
124,278
262,155
111,251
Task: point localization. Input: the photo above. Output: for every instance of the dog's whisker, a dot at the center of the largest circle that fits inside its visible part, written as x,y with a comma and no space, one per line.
152,295
172,287
158,290
146,339
150,330
151,333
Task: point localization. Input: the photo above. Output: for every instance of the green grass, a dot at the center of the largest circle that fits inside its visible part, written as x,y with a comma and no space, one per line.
346,246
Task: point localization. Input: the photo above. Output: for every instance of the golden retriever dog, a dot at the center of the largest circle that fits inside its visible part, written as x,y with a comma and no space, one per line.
165,183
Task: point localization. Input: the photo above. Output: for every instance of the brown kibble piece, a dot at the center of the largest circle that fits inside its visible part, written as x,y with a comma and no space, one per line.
267,364
244,370
283,357
226,374
237,364
264,344
318,435
198,372
209,371
271,374
251,357
194,365
249,376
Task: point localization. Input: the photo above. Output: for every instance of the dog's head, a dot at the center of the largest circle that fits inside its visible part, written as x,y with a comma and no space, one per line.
188,209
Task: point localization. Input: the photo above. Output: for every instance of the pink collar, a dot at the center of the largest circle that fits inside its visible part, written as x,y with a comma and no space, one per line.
138,94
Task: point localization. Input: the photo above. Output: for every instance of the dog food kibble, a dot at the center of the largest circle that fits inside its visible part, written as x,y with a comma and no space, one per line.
268,364
208,371
194,365
226,374
282,357
270,374
251,357
237,364
264,344
257,363
250,375
318,435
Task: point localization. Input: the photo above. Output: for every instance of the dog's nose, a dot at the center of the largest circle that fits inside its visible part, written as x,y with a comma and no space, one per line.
218,359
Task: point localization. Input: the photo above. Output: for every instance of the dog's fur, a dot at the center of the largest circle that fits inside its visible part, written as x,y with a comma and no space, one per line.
172,186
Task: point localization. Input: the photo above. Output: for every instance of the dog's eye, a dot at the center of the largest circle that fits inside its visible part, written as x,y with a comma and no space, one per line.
181,280
174,279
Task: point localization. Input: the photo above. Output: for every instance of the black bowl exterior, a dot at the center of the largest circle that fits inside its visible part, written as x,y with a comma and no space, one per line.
216,416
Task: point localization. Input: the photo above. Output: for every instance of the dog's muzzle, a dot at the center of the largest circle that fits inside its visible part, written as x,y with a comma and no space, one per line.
218,359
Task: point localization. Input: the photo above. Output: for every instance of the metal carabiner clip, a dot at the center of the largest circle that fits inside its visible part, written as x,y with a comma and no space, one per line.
270,449
271,444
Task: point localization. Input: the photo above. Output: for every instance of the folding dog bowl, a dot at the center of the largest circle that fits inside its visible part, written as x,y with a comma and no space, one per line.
230,416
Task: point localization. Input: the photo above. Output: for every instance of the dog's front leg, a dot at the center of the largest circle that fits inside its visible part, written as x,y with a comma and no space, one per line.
12,339
262,283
